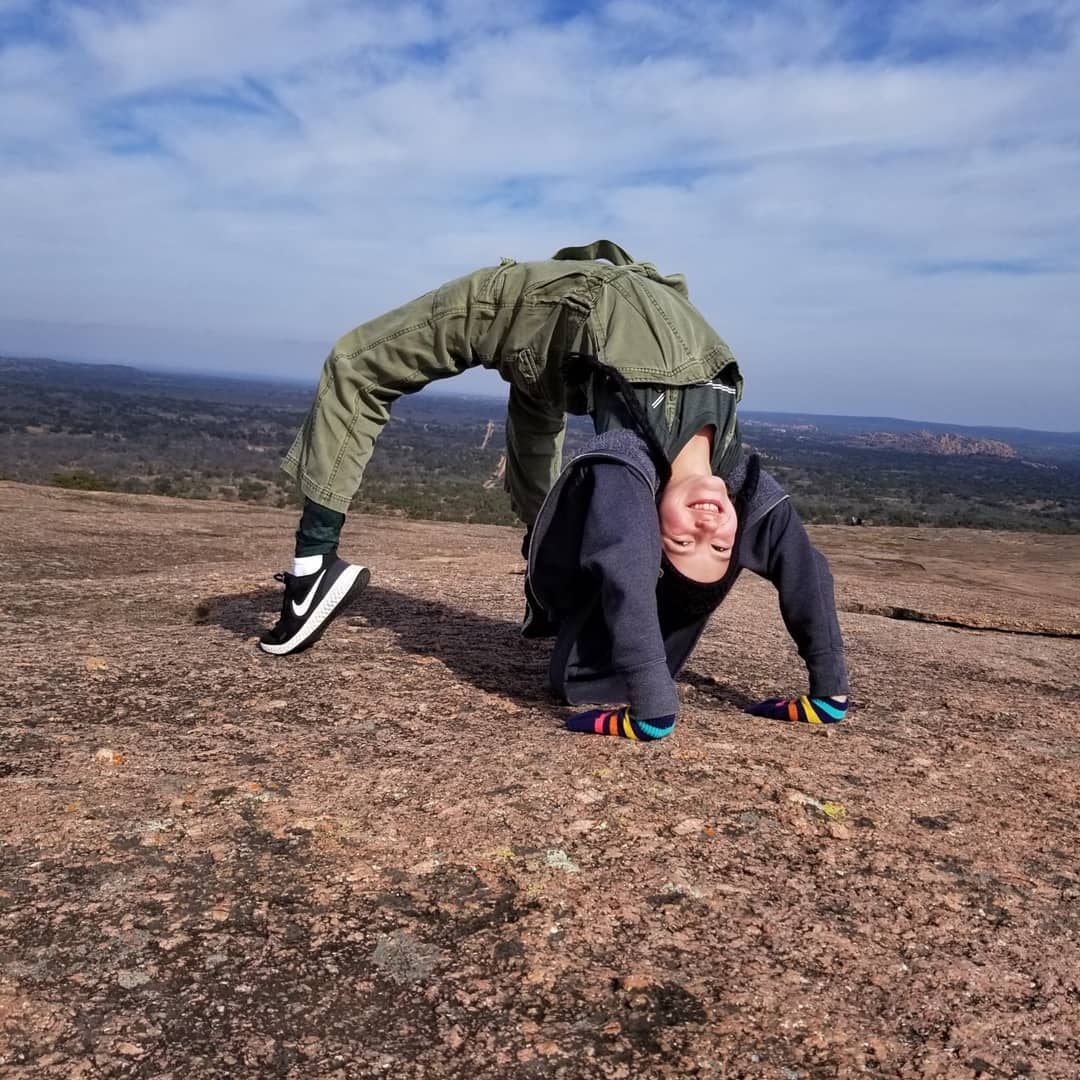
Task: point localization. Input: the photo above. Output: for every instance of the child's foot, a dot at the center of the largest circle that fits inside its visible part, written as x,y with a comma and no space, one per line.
803,710
618,722
312,602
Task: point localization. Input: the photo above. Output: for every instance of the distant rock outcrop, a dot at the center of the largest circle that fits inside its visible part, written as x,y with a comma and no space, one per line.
946,443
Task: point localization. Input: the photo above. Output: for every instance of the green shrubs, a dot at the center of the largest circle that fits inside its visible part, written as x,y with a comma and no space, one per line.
82,480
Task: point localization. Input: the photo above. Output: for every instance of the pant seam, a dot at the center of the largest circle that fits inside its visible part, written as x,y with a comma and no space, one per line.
367,384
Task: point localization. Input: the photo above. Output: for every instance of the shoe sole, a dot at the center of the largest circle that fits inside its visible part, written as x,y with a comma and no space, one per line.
349,585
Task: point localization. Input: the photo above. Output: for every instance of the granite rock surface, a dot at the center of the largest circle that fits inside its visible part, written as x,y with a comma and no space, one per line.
385,857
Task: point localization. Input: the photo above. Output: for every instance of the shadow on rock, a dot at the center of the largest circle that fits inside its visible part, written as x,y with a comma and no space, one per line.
705,684
486,652
489,653
245,614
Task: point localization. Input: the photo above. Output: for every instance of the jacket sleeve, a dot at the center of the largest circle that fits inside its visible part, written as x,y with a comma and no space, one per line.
779,549
620,544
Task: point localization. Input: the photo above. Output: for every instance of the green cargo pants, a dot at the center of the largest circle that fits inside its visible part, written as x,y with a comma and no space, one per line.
522,320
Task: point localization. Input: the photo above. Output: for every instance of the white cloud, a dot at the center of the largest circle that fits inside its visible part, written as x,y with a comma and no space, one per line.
186,164
226,39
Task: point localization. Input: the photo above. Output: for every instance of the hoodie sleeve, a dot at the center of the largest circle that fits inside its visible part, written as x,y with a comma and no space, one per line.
779,549
620,544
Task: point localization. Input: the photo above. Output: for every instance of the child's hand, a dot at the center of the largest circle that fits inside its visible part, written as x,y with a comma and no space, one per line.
618,722
803,710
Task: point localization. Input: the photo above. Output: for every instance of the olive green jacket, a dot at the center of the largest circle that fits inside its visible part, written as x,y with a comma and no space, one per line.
524,320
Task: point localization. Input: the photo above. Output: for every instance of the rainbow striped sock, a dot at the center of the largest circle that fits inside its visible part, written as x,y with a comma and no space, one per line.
803,710
619,722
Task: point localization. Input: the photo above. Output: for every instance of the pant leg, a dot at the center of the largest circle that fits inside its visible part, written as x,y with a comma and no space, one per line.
555,324
535,429
430,338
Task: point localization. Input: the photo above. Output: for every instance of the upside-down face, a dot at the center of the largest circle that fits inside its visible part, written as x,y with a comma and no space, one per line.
697,527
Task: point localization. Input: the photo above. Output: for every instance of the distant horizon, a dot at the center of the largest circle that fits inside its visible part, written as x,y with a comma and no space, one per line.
452,388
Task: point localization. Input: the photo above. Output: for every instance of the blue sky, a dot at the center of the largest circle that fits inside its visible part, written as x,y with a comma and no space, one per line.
877,204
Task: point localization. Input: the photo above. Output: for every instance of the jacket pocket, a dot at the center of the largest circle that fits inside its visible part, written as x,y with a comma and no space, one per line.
523,369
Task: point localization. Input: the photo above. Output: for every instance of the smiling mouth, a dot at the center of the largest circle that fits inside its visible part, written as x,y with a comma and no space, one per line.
710,506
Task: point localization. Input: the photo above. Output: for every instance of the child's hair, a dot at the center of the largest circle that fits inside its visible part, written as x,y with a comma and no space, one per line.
691,599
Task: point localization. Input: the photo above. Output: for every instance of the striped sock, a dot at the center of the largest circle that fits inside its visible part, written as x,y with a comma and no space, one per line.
619,722
803,710
815,710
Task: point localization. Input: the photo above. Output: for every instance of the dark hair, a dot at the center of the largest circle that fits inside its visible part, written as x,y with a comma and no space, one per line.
675,591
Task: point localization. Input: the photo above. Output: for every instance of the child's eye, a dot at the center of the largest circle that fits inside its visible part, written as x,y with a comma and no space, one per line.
722,550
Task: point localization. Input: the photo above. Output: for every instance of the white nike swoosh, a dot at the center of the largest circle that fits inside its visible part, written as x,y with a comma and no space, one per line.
300,610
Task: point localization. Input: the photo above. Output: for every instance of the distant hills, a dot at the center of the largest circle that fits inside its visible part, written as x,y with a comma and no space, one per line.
921,438
849,425
127,379
123,428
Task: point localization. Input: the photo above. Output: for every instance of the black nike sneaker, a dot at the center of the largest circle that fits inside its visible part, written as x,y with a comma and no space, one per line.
312,602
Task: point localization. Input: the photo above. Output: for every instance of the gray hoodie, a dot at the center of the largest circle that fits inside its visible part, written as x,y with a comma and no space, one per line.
595,560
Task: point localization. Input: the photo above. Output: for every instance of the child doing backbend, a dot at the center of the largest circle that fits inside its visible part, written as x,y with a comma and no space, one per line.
589,331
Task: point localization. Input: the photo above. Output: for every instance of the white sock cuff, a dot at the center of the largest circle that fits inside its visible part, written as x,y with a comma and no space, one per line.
308,564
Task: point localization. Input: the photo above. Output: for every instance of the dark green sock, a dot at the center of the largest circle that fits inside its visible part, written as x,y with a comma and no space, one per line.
319,531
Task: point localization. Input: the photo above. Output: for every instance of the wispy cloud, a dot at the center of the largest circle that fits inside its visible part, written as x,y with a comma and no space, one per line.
875,203
1007,267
